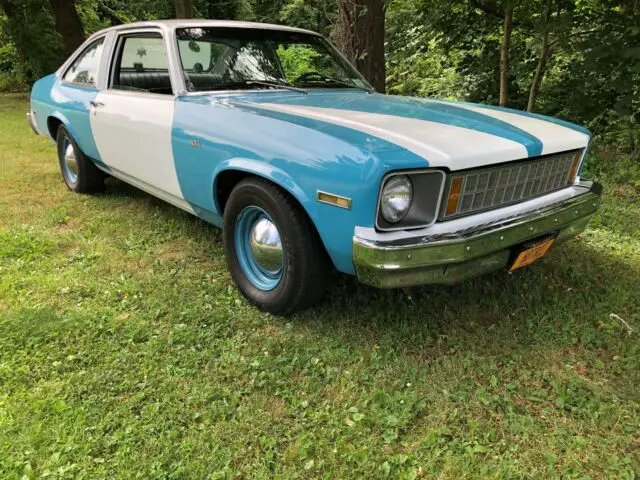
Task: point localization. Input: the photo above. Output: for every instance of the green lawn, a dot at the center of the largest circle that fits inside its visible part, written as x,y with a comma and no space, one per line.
127,352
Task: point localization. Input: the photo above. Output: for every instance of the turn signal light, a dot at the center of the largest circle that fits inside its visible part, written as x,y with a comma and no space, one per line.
331,199
454,195
573,171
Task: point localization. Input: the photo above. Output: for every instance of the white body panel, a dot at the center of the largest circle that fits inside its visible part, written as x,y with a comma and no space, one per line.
133,135
442,145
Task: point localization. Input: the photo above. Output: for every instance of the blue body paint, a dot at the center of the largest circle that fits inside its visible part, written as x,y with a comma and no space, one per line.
554,120
304,155
69,103
423,109
301,155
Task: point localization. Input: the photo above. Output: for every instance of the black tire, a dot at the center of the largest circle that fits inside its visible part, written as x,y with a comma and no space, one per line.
88,178
305,264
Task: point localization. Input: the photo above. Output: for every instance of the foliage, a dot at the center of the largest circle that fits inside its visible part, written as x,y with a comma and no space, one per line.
451,49
444,49
32,31
297,59
126,351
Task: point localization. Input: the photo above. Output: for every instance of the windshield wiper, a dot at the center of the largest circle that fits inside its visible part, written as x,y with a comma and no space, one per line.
328,78
284,85
348,84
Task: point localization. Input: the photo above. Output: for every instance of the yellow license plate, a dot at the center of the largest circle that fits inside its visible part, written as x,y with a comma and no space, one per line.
532,254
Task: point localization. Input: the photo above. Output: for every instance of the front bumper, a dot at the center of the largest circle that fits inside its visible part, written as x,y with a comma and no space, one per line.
486,243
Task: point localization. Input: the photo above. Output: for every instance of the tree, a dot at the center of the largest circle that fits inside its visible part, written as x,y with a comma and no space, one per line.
184,8
30,26
360,35
68,24
545,49
504,54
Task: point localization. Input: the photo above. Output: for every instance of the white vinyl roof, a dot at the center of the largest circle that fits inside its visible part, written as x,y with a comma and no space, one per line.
172,24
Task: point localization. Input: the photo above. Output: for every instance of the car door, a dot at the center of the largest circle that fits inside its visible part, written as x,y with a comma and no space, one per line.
133,117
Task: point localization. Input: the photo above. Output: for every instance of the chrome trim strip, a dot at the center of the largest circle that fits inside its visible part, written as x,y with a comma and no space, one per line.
420,259
150,189
321,192
409,173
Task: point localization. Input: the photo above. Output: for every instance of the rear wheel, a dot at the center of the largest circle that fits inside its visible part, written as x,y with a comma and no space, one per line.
78,171
273,251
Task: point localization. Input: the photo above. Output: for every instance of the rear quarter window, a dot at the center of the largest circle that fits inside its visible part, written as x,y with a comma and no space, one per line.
84,69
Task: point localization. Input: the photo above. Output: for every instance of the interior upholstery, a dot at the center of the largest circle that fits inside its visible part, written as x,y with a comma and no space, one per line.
152,81
159,82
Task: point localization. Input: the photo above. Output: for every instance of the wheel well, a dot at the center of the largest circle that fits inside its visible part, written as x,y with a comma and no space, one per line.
226,182
53,124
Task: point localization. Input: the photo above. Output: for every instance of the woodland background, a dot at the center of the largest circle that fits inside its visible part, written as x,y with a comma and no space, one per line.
532,375
575,59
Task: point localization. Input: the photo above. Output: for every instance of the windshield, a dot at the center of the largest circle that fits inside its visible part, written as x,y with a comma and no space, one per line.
228,58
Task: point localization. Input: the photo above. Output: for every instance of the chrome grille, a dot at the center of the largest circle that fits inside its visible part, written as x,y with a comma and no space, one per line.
494,187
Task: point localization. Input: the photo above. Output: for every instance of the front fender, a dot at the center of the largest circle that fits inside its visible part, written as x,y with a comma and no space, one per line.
335,226
267,171
212,135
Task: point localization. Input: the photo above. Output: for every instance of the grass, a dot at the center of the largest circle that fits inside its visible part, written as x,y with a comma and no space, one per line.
127,352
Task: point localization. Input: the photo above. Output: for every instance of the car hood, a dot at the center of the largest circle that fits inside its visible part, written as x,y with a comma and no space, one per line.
455,135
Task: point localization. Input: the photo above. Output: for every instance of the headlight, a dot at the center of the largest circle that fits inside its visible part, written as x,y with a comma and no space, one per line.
396,198
409,199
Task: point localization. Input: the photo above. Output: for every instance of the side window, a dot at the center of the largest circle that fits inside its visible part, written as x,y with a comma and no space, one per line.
84,70
141,64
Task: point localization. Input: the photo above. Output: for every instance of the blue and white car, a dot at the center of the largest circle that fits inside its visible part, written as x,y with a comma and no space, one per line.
268,132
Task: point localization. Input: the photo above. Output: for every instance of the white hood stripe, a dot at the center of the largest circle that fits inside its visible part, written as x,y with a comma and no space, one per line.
554,137
441,145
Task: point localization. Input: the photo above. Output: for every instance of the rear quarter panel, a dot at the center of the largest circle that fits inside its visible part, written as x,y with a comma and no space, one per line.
68,103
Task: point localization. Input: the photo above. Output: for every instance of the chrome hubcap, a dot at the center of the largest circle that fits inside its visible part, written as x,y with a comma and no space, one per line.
259,248
266,245
70,161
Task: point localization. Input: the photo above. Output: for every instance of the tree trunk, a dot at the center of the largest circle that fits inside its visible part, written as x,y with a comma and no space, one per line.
504,54
360,36
68,24
542,61
184,8
540,71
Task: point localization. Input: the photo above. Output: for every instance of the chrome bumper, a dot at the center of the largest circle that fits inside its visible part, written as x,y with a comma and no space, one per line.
446,257
32,123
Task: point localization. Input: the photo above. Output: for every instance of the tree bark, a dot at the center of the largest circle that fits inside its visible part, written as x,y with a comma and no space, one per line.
360,36
504,54
68,24
542,61
184,8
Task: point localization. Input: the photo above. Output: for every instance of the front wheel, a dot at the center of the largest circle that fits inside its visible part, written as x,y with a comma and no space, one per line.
274,253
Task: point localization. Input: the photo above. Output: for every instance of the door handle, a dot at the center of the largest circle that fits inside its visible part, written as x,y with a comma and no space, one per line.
96,104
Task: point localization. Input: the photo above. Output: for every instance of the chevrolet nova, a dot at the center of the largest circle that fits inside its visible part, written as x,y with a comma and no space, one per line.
270,133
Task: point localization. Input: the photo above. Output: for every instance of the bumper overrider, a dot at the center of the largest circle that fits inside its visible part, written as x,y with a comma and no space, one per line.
488,241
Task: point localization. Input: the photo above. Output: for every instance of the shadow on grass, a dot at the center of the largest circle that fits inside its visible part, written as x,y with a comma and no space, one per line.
558,300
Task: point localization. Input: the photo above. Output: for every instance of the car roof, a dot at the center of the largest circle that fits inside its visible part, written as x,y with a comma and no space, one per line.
172,24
